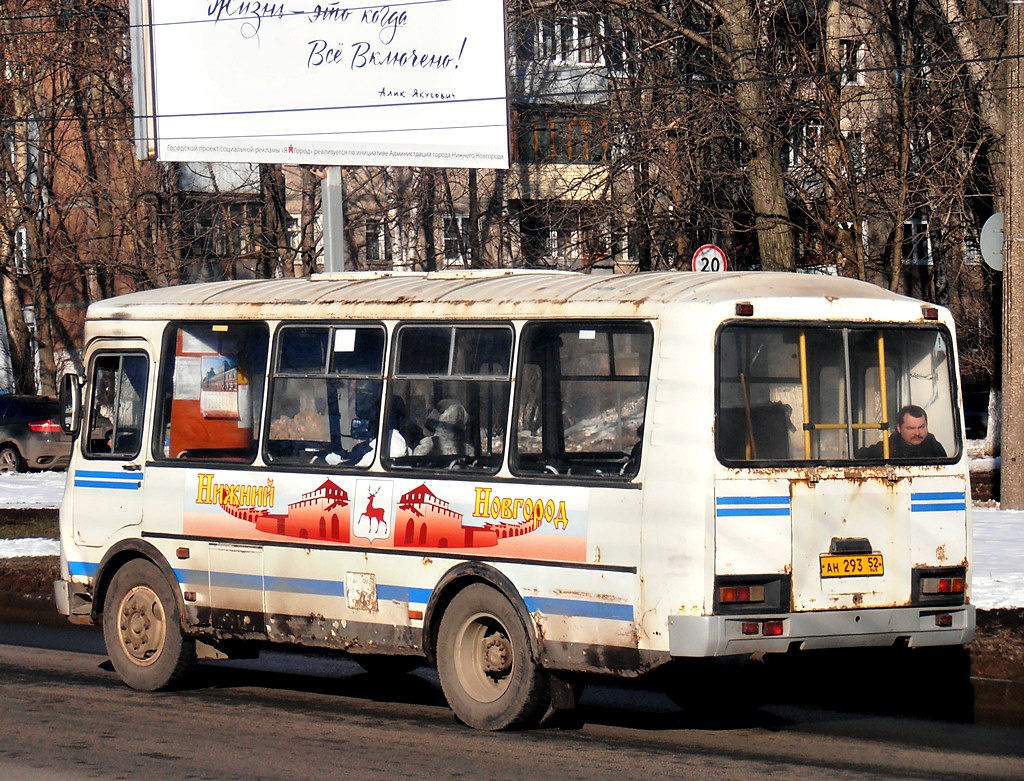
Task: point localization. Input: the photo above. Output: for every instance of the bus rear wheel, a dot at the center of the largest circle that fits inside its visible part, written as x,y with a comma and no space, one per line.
485,664
142,629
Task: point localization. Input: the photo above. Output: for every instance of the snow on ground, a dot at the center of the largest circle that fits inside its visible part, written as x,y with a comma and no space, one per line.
998,579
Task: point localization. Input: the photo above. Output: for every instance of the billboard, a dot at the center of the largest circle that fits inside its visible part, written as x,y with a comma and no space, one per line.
418,83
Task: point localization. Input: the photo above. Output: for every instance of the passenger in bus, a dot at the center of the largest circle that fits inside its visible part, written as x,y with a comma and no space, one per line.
911,440
446,427
362,453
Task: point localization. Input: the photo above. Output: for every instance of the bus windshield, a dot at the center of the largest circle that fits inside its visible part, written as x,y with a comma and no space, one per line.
828,394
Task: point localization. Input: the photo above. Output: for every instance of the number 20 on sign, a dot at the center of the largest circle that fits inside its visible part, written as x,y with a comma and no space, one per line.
709,258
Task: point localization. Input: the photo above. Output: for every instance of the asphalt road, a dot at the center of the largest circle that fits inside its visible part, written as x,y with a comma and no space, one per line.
65,715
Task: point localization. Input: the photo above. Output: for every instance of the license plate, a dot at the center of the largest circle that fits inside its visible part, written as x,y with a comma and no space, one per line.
862,565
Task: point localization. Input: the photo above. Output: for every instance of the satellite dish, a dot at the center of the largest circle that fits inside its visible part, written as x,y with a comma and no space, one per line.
992,241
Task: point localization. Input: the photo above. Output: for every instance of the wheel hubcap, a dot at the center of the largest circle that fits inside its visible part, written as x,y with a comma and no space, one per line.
142,627
484,658
497,655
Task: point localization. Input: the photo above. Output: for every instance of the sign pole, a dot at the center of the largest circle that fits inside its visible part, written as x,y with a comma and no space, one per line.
332,199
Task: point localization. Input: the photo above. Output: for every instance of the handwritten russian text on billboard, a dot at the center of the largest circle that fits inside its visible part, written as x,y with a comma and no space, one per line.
416,83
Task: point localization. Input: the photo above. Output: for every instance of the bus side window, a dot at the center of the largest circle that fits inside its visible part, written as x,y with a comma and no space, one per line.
325,395
581,400
118,402
212,390
449,396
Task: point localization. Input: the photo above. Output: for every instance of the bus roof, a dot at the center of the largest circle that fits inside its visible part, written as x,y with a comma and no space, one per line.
518,293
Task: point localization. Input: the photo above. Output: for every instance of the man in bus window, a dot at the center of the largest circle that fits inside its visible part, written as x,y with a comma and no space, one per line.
911,439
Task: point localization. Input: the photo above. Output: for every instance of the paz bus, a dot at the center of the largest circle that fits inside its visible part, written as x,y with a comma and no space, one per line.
526,478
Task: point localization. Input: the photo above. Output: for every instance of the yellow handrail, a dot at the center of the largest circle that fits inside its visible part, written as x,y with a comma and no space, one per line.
803,388
885,396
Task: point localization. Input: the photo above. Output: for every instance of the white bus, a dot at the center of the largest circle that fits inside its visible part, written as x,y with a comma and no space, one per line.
524,478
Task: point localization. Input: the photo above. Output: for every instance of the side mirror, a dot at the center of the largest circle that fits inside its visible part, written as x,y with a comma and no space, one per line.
70,403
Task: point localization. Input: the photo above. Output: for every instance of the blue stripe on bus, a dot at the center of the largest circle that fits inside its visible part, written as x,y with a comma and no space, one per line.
576,608
118,481
938,501
236,580
404,594
83,568
579,608
937,508
723,512
104,484
936,495
108,475
720,500
324,588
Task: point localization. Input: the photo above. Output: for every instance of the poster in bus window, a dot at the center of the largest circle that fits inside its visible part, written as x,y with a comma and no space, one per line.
218,390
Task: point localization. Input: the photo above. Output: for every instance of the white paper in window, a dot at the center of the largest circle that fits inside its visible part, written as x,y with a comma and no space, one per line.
588,334
345,340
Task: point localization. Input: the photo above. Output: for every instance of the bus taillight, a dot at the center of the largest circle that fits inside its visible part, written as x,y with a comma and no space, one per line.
942,585
766,628
939,585
740,594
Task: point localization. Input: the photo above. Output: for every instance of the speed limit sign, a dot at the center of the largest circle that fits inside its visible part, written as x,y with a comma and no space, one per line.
709,258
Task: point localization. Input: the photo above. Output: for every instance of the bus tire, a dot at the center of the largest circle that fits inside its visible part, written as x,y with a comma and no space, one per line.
142,628
485,664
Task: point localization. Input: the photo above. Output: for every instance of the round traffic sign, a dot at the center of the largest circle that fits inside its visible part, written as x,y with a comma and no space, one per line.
709,258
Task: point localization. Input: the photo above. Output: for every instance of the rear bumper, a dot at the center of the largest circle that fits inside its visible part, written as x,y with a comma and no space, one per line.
74,601
47,454
700,636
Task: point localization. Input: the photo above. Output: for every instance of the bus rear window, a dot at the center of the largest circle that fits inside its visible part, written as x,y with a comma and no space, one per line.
820,394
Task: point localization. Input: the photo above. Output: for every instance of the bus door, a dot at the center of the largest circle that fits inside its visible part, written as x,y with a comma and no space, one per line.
110,466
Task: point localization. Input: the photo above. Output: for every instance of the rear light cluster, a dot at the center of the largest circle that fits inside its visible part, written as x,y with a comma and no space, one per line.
740,594
939,585
942,585
765,628
45,427
760,594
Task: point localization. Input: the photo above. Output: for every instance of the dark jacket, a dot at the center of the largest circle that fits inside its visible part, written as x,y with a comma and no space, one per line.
901,451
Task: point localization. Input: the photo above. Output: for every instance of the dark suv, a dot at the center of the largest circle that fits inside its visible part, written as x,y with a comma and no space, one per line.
30,434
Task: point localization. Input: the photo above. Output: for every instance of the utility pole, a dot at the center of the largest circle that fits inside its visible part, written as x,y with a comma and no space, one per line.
1011,493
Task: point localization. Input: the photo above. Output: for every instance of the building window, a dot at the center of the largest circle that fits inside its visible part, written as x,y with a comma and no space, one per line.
574,39
917,247
456,237
554,137
853,153
373,242
851,62
803,142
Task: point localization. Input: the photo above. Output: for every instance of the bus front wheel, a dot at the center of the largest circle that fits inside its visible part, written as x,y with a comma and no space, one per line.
485,664
142,629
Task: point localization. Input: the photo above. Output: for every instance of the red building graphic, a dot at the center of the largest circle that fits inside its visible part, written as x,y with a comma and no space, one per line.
321,514
425,521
